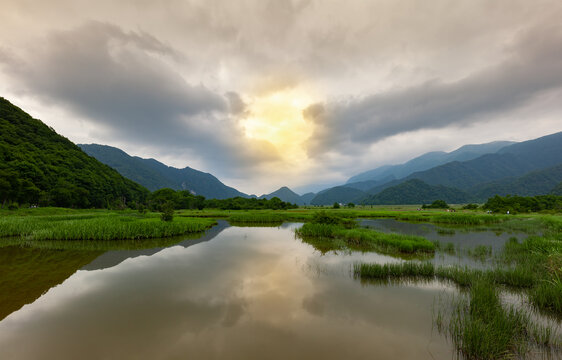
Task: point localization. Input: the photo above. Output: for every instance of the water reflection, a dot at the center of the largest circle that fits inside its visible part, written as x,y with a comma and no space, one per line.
112,258
250,293
457,242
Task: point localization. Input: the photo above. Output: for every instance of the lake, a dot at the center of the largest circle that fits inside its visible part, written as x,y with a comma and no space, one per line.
234,293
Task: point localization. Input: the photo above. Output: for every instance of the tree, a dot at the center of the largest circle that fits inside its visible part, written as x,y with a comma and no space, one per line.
437,204
336,205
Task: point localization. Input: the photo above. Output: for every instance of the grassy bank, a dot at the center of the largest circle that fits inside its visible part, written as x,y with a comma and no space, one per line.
98,226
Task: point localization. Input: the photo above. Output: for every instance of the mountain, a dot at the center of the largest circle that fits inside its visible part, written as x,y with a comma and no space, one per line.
285,194
339,194
557,190
369,184
38,166
428,161
540,182
155,175
416,192
511,161
307,198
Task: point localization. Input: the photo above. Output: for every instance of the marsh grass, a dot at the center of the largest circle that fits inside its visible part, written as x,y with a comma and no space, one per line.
257,218
101,245
446,232
480,252
481,327
364,239
478,324
104,226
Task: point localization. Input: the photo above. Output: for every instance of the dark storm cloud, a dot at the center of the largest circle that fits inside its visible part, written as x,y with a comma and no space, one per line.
532,67
126,81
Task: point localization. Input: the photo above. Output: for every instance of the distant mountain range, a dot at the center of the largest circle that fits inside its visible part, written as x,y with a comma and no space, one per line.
154,175
428,161
527,168
472,173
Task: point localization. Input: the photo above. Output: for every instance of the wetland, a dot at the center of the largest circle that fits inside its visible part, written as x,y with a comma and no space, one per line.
247,289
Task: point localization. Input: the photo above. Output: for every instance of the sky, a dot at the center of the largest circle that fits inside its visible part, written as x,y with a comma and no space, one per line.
268,93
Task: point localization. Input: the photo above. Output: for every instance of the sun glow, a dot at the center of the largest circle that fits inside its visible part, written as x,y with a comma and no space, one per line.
278,119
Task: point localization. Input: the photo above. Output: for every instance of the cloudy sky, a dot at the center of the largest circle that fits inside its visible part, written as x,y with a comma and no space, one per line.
266,93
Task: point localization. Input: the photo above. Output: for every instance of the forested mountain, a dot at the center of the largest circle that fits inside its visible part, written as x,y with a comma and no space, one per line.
528,168
155,175
285,194
540,182
38,166
511,161
428,161
416,192
339,194
557,190
307,198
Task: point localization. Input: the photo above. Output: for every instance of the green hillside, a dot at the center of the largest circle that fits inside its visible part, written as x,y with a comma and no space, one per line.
539,182
155,175
511,161
38,166
416,192
339,194
557,190
285,194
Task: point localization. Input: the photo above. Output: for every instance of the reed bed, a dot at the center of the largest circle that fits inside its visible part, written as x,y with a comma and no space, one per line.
100,227
256,218
481,327
367,239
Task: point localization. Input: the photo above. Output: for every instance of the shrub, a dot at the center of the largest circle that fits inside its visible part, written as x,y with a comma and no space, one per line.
167,211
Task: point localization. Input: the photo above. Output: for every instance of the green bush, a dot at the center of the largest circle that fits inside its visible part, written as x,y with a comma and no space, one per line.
167,211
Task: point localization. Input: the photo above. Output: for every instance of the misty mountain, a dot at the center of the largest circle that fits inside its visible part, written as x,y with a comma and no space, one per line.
155,175
307,198
557,190
540,182
511,161
525,168
339,194
416,192
428,161
285,194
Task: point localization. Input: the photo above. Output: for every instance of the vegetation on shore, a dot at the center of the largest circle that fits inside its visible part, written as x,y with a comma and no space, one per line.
98,226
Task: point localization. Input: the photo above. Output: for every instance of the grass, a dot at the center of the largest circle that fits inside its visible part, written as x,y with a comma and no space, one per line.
481,327
257,218
480,252
97,226
365,239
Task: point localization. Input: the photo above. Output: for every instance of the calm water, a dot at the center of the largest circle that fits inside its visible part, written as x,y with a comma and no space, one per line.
236,293
463,240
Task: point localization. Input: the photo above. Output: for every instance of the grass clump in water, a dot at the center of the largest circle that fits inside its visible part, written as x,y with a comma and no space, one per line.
481,327
389,271
326,227
480,252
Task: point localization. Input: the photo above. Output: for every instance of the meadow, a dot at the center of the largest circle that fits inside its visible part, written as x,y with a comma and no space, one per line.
95,225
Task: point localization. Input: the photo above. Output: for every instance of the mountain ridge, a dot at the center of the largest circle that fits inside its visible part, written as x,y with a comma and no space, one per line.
156,175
